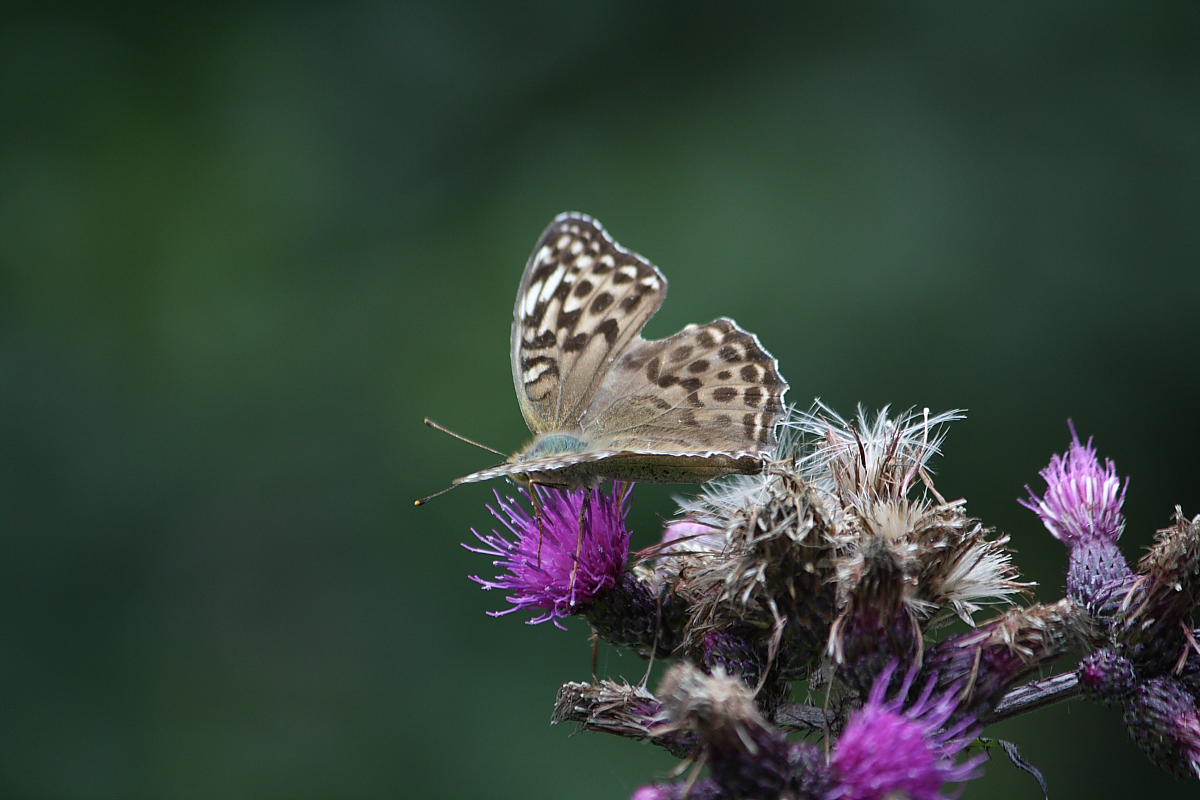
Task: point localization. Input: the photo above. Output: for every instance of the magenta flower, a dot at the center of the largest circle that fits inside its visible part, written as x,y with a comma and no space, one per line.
1082,503
890,749
1082,509
684,790
541,569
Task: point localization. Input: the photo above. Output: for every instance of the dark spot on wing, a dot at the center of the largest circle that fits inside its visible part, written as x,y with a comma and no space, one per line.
630,302
660,404
526,363
723,394
688,417
602,301
667,381
681,353
750,423
691,384
724,375
723,420
575,343
583,287
749,373
542,340
729,353
568,319
694,400
610,329
753,396
652,369
705,339
622,276
699,365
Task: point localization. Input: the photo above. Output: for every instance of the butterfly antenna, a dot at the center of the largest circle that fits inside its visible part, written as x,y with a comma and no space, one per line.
444,429
425,500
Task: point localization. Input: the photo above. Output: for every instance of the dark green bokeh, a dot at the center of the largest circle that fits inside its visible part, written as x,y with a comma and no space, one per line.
244,252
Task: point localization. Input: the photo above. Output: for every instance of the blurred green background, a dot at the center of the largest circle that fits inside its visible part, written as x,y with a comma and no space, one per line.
246,249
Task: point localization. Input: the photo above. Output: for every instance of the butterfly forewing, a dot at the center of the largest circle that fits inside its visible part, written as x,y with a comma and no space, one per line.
582,300
707,389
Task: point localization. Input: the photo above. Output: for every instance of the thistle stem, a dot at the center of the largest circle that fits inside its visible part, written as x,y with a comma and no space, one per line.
1034,695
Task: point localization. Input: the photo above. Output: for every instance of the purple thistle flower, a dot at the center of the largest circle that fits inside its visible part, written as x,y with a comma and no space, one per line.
1083,500
1082,509
554,580
684,790
890,749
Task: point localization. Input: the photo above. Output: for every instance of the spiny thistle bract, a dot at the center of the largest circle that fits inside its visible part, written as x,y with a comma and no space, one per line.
840,563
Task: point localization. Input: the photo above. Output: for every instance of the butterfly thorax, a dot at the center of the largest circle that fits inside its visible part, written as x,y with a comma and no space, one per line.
551,444
554,457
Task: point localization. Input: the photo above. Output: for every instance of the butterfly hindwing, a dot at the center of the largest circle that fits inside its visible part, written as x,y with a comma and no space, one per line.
709,388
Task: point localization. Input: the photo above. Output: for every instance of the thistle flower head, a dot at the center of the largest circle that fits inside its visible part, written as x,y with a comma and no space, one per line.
1107,676
774,560
547,566
1162,717
891,748
683,790
944,557
1157,608
869,459
748,757
686,536
1082,502
991,657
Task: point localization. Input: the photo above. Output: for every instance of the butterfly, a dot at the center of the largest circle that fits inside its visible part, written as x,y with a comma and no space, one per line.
604,403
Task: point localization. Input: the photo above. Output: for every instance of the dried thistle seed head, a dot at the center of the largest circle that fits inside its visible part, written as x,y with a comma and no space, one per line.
776,567
868,459
747,756
961,568
876,626
716,705
945,557
620,709
987,660
1156,622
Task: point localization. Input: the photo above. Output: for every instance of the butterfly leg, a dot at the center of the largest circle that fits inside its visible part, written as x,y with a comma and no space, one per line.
584,506
535,496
